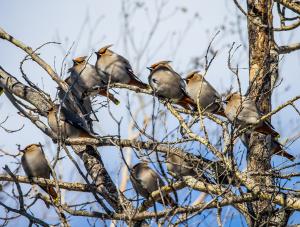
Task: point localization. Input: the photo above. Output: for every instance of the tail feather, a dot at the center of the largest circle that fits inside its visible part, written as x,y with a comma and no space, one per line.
85,134
138,83
1,90
220,112
267,130
278,150
51,191
110,96
186,102
168,200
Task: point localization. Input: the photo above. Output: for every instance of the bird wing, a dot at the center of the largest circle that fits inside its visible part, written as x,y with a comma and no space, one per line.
73,119
128,67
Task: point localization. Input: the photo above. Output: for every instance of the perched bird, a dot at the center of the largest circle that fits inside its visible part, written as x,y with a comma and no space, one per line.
84,103
84,76
116,67
70,124
201,91
275,146
243,111
178,166
35,164
166,83
145,181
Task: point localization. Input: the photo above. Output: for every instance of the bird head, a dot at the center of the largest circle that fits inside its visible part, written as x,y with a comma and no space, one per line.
193,75
231,96
31,147
103,50
160,63
79,60
52,108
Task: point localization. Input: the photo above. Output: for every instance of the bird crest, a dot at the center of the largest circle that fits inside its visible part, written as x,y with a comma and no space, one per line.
232,95
102,50
191,75
30,147
163,63
79,60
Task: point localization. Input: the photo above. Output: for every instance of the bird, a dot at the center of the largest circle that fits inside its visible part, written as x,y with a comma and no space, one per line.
145,181
117,68
35,164
166,83
84,103
200,90
178,166
275,146
84,76
70,124
243,111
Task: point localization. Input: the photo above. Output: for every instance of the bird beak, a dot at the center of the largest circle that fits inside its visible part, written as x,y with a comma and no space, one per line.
149,68
69,70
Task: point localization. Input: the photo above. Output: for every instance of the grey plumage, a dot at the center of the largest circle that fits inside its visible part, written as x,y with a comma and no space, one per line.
69,123
145,181
116,67
200,90
243,111
166,83
35,164
178,166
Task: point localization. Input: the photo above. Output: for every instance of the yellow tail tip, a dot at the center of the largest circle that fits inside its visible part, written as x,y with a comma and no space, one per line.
117,102
1,91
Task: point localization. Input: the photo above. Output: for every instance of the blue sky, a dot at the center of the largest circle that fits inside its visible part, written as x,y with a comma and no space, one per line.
180,37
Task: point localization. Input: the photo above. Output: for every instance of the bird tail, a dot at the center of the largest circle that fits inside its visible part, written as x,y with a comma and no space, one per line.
85,134
186,102
138,83
51,191
221,112
110,96
168,200
278,150
267,130
1,91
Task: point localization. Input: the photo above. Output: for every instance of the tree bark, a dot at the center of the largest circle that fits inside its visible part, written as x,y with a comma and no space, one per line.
263,72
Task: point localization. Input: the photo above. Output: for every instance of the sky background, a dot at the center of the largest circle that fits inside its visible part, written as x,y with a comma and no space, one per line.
183,33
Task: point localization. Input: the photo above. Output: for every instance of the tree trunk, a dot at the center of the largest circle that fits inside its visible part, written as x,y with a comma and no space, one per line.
263,71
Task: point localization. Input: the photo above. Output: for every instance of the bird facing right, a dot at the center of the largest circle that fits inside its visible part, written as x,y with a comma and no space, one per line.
145,181
35,164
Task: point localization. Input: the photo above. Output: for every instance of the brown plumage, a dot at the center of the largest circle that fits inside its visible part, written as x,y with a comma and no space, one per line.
166,83
145,181
243,111
35,164
201,91
116,67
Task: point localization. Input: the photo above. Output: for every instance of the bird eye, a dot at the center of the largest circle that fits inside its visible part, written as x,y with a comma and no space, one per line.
154,80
